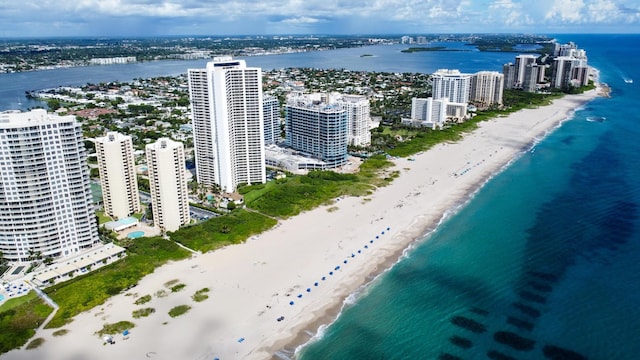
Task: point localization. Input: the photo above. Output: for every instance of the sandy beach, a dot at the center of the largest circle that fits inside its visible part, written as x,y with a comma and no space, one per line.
305,267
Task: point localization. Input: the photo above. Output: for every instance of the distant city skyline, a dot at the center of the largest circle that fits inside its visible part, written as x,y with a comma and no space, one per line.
30,18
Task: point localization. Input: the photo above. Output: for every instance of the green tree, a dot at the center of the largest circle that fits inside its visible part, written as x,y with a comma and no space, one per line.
53,104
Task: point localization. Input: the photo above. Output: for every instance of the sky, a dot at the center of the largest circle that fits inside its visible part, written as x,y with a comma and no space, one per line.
46,18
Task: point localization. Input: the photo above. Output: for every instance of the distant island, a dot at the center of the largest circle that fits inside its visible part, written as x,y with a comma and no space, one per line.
432,48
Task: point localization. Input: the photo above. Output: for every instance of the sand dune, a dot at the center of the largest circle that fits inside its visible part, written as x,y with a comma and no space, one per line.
251,285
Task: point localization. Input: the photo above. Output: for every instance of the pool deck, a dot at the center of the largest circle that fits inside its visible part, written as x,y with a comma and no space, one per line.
146,229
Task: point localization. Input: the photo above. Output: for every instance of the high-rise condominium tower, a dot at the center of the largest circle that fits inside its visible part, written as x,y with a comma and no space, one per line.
168,183
359,118
118,175
45,194
317,128
487,87
226,105
271,116
451,84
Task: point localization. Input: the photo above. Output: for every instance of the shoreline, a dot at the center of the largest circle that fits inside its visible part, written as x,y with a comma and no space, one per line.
299,342
252,284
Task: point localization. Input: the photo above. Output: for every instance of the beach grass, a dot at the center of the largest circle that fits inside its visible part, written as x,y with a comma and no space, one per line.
177,287
161,293
115,328
60,332
232,228
35,343
200,295
143,299
142,312
19,318
294,194
170,283
179,310
87,291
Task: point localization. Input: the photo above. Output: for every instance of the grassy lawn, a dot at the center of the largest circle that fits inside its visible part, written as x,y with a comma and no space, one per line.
231,228
19,318
87,291
102,217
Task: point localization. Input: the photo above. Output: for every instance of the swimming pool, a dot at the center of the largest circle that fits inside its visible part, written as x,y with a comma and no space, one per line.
135,234
1,297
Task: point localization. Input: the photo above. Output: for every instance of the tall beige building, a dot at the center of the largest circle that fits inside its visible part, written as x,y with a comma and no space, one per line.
168,183
487,88
117,175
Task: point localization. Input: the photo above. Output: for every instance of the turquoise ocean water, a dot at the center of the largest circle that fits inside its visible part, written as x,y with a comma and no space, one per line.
542,263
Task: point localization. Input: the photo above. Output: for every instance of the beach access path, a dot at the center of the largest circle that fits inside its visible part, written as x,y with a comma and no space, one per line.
275,290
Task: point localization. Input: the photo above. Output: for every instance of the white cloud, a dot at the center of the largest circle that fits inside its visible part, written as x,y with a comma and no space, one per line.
300,20
602,11
315,15
566,11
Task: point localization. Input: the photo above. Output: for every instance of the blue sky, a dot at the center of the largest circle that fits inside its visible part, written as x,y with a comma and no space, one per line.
39,18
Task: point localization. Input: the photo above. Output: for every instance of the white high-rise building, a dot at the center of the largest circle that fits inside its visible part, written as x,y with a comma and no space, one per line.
429,112
451,84
228,131
359,118
45,193
118,175
487,88
168,184
271,119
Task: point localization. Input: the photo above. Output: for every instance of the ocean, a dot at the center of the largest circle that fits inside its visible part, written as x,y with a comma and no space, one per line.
543,262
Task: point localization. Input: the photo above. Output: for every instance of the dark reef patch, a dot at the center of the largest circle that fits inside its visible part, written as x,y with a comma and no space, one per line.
514,340
468,324
447,356
461,342
557,353
527,310
497,355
